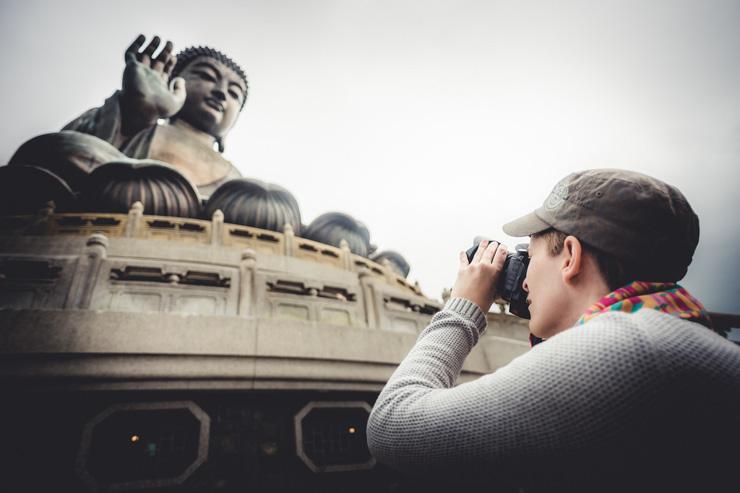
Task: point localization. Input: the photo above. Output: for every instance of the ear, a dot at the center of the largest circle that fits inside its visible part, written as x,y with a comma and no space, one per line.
572,259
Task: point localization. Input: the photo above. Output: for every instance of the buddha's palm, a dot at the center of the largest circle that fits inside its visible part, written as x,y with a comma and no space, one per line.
146,88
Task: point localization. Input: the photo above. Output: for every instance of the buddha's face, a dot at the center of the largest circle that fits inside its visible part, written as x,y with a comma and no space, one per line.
214,96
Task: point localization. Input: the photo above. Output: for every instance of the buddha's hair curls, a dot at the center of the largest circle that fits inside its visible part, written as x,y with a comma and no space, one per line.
191,53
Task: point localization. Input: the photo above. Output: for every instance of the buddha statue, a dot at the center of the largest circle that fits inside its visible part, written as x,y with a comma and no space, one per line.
172,109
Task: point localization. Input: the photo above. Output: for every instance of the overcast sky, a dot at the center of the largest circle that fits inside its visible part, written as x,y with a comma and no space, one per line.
430,121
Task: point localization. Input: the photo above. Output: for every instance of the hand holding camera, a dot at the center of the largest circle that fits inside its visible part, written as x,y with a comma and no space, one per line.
507,280
478,273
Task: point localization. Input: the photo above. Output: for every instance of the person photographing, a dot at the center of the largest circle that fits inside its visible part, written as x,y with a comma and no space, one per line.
629,391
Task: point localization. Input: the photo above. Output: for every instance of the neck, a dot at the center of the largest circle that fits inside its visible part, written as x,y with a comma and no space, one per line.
588,298
196,134
582,295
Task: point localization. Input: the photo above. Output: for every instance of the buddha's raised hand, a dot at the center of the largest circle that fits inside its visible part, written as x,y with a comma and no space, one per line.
147,92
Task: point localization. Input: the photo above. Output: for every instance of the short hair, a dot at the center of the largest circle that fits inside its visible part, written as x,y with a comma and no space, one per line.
616,273
191,53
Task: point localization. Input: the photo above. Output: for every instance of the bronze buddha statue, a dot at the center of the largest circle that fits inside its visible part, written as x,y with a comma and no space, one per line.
173,109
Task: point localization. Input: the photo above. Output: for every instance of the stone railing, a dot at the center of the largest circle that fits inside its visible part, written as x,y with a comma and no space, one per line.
214,232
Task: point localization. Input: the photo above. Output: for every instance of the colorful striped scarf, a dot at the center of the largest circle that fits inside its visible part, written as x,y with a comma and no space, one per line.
665,297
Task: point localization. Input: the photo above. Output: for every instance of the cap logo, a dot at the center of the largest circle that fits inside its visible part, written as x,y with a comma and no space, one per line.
558,195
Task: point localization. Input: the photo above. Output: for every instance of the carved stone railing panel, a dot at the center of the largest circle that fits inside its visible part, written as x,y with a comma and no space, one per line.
293,297
197,231
35,282
151,285
318,252
258,239
398,310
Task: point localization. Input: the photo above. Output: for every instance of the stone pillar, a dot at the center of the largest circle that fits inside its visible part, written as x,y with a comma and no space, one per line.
86,274
390,274
289,235
368,296
247,294
133,225
346,255
217,227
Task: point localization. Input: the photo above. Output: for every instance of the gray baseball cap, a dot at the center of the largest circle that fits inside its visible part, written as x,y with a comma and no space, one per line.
641,220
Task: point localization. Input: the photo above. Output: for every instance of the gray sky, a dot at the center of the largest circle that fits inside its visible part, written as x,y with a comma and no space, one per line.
430,121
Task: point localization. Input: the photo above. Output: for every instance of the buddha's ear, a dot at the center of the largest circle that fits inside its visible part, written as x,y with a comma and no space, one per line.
220,144
571,259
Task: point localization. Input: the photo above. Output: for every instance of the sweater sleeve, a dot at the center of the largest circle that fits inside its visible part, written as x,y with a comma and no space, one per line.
559,397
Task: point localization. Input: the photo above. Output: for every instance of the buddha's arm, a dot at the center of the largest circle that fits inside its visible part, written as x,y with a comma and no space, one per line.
103,122
145,96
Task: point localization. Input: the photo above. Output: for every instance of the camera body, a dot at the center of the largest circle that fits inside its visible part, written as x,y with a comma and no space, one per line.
509,284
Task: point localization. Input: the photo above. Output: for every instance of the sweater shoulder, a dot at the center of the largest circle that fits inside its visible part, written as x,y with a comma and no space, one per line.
674,345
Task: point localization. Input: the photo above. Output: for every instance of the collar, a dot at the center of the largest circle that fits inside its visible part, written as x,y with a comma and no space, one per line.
665,297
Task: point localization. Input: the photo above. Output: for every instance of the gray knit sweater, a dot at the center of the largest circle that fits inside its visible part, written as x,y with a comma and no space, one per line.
630,402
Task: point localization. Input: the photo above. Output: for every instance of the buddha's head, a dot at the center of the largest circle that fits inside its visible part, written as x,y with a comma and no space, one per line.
216,90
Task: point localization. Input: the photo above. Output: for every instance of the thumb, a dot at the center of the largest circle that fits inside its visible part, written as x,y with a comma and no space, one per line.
177,87
463,257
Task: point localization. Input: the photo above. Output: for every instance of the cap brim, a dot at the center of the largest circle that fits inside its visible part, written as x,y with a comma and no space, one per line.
526,226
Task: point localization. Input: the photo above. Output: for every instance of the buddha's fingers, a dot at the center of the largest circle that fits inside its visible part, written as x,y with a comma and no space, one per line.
169,66
145,56
164,56
132,51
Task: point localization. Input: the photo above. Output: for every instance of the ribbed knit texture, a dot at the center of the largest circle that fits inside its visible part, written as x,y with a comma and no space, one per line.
641,401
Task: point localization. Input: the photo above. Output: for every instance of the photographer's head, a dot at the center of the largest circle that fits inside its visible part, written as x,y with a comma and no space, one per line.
596,231
565,277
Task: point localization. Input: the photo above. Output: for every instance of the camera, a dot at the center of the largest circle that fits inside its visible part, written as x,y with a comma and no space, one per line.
509,284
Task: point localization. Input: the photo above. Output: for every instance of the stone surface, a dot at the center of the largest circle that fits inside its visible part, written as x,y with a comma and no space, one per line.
109,311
